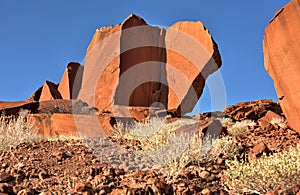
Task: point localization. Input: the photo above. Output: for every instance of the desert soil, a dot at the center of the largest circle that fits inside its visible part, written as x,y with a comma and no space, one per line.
71,167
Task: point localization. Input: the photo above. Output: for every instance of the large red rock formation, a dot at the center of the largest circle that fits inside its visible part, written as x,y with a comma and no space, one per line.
282,59
132,71
148,66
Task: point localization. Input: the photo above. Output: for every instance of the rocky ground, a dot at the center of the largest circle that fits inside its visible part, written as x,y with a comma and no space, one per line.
74,167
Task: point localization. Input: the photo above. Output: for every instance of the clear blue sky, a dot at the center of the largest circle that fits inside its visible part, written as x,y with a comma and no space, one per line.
39,38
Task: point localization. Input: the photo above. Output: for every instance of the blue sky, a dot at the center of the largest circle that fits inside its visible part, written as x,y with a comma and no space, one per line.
39,38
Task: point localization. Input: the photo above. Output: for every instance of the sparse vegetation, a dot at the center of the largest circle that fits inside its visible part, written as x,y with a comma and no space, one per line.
279,121
62,137
226,121
226,147
159,140
240,127
15,130
281,170
191,153
152,134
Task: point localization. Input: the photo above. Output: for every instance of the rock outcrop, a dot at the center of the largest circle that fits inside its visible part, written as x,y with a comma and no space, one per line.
50,92
70,83
148,66
253,110
282,59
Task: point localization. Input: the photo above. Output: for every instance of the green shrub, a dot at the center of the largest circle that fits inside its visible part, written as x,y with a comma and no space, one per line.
267,173
15,130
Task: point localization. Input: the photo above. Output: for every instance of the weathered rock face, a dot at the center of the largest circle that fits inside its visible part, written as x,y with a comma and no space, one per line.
135,64
142,59
282,59
108,81
70,83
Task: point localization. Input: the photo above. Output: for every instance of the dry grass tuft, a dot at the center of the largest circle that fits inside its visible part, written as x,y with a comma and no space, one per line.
15,130
225,147
240,128
267,173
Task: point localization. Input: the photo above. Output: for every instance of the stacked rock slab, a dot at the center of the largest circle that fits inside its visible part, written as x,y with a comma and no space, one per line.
134,64
282,59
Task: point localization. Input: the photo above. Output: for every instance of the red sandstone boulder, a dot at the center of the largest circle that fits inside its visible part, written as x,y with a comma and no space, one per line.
67,86
271,116
133,64
192,55
282,59
258,150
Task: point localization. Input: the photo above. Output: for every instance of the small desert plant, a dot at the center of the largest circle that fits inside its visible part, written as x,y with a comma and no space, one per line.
202,150
57,137
152,134
15,130
226,121
267,173
279,121
226,147
240,128
191,148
